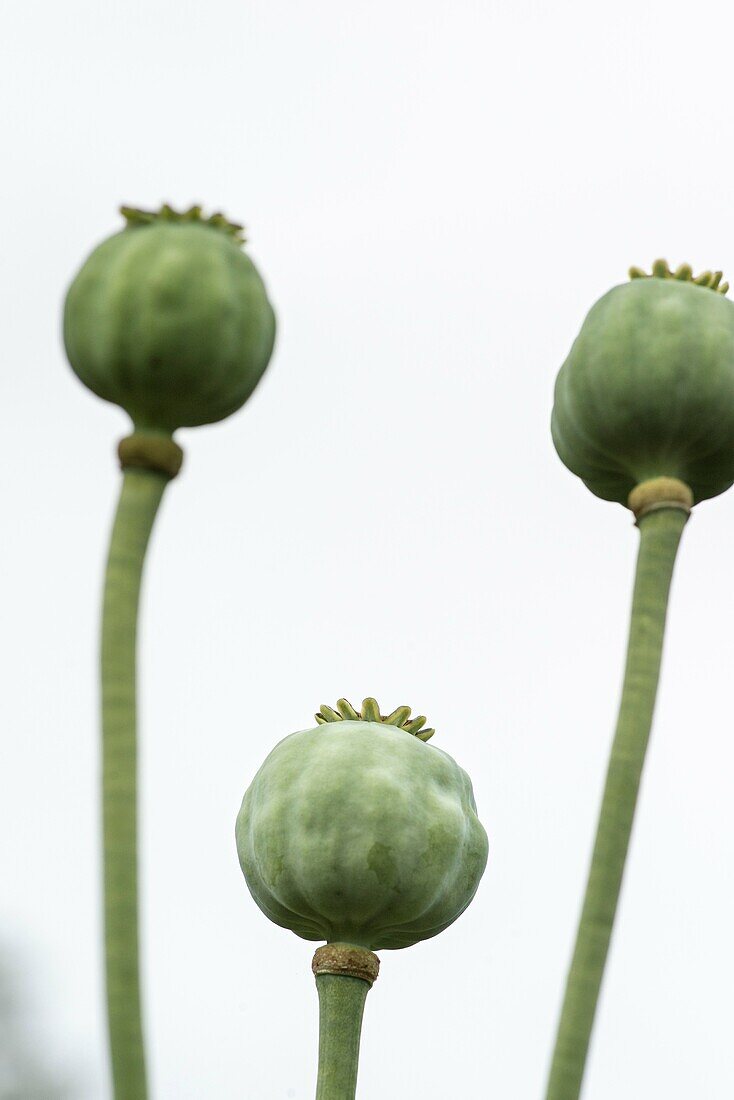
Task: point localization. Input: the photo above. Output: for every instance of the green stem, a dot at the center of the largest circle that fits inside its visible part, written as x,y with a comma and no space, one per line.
341,1005
660,533
139,500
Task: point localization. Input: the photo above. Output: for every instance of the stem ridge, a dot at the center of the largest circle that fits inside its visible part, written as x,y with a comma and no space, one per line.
140,498
660,533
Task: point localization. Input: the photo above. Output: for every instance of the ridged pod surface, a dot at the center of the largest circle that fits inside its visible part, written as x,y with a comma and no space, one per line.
359,832
170,320
647,390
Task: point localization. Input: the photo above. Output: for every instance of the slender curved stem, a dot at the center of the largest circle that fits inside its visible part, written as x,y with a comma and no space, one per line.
341,1006
139,500
660,533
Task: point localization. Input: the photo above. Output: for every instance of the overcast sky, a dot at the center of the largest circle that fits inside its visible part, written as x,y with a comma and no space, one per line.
435,195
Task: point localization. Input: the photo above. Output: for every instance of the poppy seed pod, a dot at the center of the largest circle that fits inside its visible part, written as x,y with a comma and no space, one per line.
647,390
358,831
170,319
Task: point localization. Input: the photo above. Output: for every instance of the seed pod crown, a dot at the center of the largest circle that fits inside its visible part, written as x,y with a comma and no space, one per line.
400,718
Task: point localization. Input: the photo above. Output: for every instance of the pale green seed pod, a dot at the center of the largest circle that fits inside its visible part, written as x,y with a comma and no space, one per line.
170,319
358,831
647,390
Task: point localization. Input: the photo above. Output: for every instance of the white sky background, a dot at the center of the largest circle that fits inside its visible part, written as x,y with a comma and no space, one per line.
435,195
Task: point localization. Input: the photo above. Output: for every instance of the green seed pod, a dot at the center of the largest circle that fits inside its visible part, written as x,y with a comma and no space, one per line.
359,832
647,390
170,320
